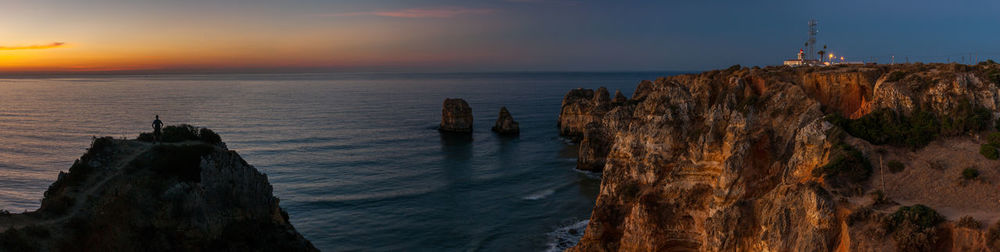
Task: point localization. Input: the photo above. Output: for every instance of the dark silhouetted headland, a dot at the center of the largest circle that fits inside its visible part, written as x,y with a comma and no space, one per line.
189,193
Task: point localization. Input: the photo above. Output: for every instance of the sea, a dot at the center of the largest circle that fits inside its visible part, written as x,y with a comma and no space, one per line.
355,158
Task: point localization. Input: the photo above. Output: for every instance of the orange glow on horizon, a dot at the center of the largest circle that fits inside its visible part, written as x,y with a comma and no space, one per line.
33,47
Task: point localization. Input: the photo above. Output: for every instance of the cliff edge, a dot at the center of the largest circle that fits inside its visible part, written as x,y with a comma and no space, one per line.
842,158
189,193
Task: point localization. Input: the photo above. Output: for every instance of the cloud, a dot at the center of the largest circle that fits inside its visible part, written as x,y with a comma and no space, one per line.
46,46
559,2
442,12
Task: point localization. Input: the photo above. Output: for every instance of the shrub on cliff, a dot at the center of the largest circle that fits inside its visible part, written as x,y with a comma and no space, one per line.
989,151
847,168
969,222
966,118
181,133
146,137
896,76
970,173
895,166
209,136
885,126
914,227
993,139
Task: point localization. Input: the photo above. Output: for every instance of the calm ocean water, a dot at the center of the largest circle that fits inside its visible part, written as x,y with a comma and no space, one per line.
355,158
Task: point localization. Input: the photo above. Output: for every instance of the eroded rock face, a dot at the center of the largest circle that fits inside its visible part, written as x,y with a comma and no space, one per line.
619,97
724,160
505,124
456,116
581,107
127,195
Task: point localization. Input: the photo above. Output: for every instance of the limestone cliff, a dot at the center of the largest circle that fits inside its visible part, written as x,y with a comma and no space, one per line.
130,195
770,159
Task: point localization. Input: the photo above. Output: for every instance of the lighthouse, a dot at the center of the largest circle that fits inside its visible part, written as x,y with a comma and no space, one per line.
799,61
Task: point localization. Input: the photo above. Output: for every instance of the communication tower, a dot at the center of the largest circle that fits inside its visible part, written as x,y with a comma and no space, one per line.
812,38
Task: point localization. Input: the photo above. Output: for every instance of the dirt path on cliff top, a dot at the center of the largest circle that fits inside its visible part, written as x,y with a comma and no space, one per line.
133,150
933,177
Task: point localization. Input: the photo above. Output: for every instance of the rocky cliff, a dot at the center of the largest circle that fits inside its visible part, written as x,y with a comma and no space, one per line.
188,194
789,159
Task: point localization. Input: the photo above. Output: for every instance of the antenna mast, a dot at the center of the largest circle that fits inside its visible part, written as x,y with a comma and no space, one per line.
812,38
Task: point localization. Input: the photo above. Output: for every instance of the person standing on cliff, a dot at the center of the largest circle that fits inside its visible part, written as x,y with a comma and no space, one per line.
157,124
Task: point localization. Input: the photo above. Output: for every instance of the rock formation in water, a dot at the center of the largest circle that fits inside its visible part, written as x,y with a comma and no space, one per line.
581,107
783,159
191,194
505,124
456,116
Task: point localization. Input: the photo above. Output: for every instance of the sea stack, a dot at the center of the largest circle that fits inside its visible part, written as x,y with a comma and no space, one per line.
456,116
505,123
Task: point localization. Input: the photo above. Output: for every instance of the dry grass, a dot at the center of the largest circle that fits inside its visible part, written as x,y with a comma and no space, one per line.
933,177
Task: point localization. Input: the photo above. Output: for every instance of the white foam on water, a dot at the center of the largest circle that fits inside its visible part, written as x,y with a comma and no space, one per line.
540,194
566,237
593,175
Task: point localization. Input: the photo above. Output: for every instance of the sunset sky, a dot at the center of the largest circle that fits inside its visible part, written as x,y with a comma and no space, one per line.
497,35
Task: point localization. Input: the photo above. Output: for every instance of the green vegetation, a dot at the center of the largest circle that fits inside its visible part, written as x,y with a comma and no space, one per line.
969,222
970,173
919,215
895,166
885,126
966,118
914,227
989,151
847,168
896,76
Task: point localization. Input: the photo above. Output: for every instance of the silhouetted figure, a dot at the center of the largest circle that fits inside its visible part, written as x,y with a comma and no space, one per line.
157,124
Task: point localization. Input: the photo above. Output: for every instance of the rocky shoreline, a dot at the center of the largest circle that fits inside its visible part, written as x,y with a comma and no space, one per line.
784,159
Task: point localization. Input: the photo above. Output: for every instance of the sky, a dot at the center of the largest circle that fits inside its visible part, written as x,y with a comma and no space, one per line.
478,35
